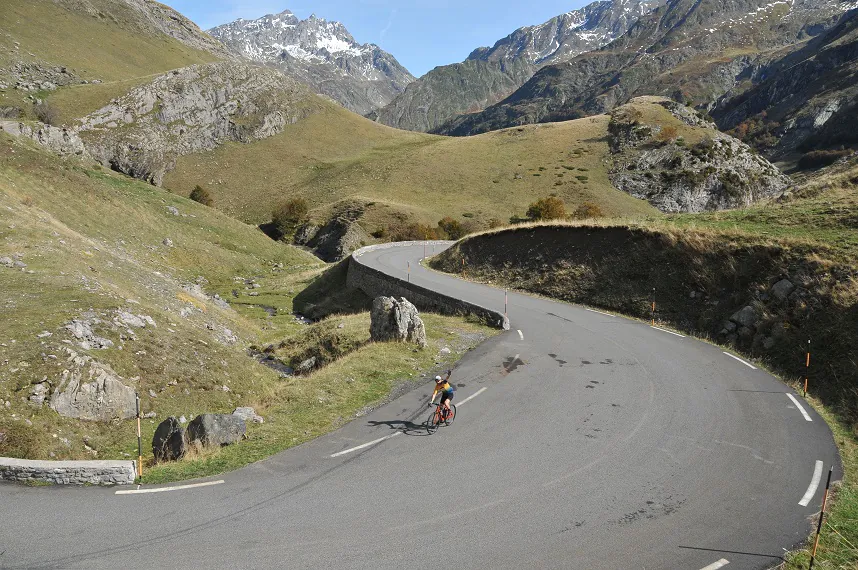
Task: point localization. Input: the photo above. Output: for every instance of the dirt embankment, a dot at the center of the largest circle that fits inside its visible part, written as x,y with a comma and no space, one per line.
766,299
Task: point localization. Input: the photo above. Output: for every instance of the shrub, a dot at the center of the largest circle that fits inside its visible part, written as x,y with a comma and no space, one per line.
413,232
452,228
46,113
588,210
201,195
551,208
288,216
495,223
820,158
380,233
28,201
467,215
666,134
583,178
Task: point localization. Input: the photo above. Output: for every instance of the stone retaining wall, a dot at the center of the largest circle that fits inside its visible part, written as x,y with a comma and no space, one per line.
374,283
68,472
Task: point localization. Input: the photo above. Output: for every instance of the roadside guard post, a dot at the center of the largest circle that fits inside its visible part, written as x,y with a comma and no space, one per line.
807,367
821,518
653,306
139,440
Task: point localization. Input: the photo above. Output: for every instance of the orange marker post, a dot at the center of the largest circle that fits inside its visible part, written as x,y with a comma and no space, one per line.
463,267
821,517
653,306
139,440
807,374
409,272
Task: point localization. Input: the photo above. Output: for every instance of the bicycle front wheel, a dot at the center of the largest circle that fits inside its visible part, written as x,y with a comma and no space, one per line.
434,421
451,416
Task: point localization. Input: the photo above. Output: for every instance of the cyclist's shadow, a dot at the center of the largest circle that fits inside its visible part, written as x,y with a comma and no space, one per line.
405,426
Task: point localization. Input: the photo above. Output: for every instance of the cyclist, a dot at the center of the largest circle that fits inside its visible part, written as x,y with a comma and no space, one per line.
443,386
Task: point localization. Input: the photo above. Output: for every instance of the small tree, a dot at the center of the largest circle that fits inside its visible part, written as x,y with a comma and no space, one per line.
495,223
288,216
451,227
667,134
46,113
588,210
551,208
201,195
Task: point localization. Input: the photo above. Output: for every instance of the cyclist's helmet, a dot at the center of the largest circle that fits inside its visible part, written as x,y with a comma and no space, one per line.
438,379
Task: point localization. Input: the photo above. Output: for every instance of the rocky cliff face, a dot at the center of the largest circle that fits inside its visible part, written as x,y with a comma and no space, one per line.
322,54
713,172
191,110
691,50
490,74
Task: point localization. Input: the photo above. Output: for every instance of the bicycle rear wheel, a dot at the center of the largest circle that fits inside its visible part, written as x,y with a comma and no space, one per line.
452,415
433,421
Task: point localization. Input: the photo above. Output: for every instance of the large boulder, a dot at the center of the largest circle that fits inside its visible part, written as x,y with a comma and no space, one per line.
89,390
396,320
216,429
169,442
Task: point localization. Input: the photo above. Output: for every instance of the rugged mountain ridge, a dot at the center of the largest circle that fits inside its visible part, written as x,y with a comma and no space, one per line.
698,51
322,54
491,73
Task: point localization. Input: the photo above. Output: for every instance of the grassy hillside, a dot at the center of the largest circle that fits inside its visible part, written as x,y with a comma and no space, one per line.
336,155
96,40
92,244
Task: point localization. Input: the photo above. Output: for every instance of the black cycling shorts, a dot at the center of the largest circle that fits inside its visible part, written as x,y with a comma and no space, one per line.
446,397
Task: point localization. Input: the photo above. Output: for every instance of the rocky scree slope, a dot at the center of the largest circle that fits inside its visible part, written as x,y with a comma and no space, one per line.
490,74
321,54
708,170
698,50
190,110
805,100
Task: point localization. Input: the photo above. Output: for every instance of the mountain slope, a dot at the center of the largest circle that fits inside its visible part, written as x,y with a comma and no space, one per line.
697,50
490,74
322,54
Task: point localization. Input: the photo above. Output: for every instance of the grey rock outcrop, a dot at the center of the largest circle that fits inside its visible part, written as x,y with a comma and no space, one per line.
190,110
81,329
90,390
783,289
248,414
169,442
396,320
59,140
747,317
216,429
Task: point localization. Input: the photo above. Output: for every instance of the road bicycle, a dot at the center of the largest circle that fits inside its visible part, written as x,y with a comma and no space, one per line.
440,416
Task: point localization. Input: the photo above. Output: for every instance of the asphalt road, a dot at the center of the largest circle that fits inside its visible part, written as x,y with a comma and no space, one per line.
588,442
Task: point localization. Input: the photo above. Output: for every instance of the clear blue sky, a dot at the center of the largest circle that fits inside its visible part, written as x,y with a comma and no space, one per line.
421,34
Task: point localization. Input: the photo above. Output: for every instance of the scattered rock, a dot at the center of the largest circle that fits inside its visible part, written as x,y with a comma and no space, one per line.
397,320
82,330
747,317
173,210
306,366
168,242
169,442
152,393
6,261
183,420
90,390
225,388
783,289
44,334
445,350
137,321
149,415
39,393
248,415
216,429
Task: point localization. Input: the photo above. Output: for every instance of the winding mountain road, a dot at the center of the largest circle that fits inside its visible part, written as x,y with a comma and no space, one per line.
583,441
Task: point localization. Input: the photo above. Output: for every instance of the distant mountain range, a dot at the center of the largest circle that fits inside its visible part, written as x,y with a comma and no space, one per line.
490,74
322,54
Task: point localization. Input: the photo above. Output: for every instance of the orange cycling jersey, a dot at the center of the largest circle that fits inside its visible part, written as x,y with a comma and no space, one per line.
445,387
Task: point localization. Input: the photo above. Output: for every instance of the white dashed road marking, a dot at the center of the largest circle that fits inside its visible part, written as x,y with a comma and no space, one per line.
715,565
668,332
365,445
814,485
748,364
520,334
800,407
167,489
601,313
471,397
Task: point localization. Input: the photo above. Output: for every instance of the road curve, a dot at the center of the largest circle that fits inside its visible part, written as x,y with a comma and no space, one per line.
587,441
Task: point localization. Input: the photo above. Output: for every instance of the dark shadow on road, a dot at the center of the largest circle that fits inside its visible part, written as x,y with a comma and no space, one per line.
760,391
405,426
757,554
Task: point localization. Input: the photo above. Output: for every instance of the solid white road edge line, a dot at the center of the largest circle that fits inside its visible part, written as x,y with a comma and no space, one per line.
520,334
715,565
471,397
601,313
359,447
668,332
748,364
166,489
814,485
800,407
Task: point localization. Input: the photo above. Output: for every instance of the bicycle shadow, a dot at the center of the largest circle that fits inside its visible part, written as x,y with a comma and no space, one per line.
407,427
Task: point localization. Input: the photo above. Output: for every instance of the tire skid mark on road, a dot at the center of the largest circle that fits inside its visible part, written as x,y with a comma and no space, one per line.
748,364
814,484
800,407
715,565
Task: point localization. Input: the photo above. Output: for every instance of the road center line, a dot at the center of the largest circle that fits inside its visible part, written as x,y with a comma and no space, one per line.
668,332
715,565
814,485
800,407
520,334
601,313
748,364
167,489
365,445
471,397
